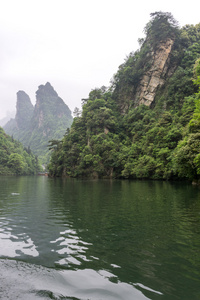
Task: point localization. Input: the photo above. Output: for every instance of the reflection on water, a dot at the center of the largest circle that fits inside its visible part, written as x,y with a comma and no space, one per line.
70,248
71,239
38,282
15,245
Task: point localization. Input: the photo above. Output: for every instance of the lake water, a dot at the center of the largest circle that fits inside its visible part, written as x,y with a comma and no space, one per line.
78,239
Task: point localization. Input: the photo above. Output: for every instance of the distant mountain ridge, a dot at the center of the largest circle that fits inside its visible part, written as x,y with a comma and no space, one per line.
35,125
9,115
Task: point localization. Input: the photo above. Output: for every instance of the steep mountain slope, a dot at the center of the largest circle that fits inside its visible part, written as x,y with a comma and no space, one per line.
14,158
145,125
35,126
24,110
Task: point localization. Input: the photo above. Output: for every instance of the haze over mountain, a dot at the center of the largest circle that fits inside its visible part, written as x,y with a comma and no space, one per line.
35,125
76,45
9,115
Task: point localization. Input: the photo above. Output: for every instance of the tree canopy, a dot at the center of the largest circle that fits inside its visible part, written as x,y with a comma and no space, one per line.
15,158
113,137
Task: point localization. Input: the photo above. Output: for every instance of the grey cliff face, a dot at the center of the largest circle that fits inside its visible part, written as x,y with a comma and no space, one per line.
24,110
155,76
35,125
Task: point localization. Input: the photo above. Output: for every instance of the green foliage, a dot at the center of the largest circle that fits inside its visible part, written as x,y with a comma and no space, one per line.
16,162
161,27
15,159
114,137
186,157
194,124
127,79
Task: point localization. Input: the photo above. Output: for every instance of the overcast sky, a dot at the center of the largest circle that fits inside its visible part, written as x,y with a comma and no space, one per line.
76,45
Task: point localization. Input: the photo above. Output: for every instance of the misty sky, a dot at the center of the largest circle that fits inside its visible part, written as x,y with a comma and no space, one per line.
76,45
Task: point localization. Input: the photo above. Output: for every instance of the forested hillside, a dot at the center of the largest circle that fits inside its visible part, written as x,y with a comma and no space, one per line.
35,125
15,159
147,123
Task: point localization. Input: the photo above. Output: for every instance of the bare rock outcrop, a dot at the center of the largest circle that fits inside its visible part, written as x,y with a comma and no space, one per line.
155,76
24,110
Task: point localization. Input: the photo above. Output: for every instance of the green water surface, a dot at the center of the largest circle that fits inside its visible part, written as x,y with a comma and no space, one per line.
79,239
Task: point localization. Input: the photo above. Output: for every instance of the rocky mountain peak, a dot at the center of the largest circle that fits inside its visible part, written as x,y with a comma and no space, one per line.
49,105
24,109
48,119
46,90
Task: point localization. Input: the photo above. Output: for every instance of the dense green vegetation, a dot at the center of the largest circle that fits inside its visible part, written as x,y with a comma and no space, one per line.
15,159
114,137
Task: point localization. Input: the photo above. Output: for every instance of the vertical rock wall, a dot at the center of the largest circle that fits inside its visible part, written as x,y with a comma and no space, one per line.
155,76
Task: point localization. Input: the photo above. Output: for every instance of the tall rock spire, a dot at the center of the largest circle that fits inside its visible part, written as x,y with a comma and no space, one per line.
36,126
24,110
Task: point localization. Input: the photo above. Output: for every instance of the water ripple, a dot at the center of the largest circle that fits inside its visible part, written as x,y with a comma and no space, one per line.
70,248
15,245
19,280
